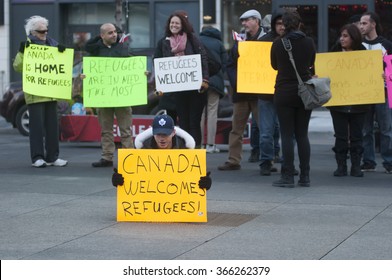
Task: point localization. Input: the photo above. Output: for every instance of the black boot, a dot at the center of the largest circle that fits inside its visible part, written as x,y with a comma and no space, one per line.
341,160
304,180
356,155
286,179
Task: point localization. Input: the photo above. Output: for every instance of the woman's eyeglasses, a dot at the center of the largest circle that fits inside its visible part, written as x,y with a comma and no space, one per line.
42,31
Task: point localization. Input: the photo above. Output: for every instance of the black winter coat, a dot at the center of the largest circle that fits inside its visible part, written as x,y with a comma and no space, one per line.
211,38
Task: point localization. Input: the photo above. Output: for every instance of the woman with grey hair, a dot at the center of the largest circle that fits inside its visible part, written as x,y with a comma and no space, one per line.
43,121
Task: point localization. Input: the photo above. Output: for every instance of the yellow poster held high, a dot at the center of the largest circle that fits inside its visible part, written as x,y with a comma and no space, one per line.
356,76
255,73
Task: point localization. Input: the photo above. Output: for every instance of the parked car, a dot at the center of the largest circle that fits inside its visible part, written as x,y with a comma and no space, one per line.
14,109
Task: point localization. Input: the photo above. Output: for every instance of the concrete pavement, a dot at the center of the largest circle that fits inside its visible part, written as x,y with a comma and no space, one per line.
70,213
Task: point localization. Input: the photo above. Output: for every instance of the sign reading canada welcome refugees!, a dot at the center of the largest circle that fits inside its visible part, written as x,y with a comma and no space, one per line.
48,72
255,73
356,76
178,73
161,185
114,81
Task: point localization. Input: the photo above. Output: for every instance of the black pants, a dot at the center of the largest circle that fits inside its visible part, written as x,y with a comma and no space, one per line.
44,131
348,131
189,106
294,122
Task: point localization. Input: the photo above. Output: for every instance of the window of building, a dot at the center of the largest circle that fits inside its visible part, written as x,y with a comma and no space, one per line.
139,25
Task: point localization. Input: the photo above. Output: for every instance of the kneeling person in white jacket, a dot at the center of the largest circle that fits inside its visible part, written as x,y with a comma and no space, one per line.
163,135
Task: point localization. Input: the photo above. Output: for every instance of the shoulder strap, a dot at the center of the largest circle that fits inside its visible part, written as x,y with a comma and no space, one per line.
287,46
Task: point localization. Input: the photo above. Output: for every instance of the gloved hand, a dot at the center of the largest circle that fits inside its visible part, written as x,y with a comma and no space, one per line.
205,181
117,178
204,86
61,48
158,92
23,45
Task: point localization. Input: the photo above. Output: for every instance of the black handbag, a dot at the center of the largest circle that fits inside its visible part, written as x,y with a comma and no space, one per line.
314,92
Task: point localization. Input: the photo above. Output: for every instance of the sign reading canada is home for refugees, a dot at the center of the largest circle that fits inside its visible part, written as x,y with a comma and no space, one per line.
48,72
114,81
178,73
161,185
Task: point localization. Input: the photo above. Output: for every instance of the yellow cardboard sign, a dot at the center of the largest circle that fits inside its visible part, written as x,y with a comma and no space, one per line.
255,73
356,76
48,72
114,81
161,186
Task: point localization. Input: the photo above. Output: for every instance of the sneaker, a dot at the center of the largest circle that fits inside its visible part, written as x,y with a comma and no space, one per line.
102,163
212,149
229,166
39,163
58,162
265,168
368,167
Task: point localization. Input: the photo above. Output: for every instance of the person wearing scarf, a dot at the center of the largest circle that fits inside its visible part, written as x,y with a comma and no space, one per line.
187,106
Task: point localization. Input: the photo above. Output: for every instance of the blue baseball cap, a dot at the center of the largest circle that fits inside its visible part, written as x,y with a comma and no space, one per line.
162,124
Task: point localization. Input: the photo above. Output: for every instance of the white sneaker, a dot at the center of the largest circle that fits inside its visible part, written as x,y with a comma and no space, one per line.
39,163
212,149
58,162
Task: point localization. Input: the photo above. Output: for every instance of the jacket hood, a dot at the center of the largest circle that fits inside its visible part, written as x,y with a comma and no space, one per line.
275,16
212,32
294,35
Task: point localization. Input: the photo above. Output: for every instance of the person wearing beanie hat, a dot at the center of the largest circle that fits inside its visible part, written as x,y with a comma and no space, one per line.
163,135
243,104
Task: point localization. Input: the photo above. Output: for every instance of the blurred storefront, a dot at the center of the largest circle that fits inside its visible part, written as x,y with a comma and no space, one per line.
74,21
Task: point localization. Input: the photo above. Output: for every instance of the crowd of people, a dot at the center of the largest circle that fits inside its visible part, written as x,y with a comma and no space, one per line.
281,115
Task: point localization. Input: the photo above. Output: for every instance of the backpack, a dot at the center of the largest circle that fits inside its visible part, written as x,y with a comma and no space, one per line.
214,64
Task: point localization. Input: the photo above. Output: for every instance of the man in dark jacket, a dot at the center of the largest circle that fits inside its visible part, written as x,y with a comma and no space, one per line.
107,45
211,39
371,28
244,104
267,114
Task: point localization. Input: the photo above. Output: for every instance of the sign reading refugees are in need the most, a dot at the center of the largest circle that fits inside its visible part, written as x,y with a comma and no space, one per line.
178,73
161,185
48,72
114,81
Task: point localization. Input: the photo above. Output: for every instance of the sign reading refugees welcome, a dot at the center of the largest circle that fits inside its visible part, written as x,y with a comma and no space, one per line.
178,73
161,185
114,81
48,72
356,76
255,73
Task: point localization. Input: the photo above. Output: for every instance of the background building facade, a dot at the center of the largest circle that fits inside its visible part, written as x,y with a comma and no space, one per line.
72,22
